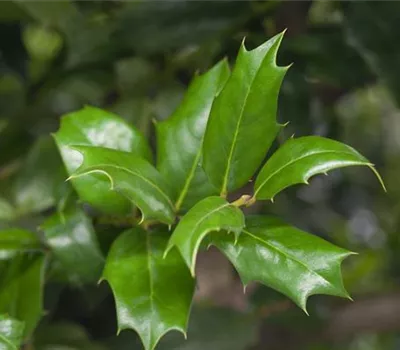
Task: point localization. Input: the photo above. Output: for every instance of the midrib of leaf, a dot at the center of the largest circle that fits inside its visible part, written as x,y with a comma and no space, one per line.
148,248
130,172
303,157
233,146
188,181
288,257
228,164
2,337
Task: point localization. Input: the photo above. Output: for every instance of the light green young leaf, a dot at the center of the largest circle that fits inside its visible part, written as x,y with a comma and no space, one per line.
243,116
21,289
285,258
152,294
15,240
299,159
210,214
92,126
131,176
11,333
180,138
72,239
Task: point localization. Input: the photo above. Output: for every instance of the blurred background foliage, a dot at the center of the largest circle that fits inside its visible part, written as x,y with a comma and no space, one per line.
136,59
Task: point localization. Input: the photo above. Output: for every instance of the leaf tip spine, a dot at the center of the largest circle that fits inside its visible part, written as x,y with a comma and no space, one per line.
372,167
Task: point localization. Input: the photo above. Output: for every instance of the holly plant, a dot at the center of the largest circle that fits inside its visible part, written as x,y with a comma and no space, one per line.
212,145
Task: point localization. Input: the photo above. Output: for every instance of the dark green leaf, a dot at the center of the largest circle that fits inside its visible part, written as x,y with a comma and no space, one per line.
152,294
63,336
74,244
95,127
11,333
299,159
371,28
39,178
211,214
215,329
242,116
15,240
131,176
21,289
180,138
285,258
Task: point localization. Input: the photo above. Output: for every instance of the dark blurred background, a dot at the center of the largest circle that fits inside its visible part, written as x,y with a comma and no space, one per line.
136,59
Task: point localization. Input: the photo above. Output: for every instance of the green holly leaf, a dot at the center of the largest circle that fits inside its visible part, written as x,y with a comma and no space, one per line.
182,135
244,113
299,159
131,176
210,214
152,294
15,240
11,333
95,127
285,258
21,289
72,239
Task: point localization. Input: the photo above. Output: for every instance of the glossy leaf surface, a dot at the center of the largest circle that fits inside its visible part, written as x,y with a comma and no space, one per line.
243,117
72,239
152,294
299,159
131,176
210,214
285,258
180,138
11,333
21,289
95,127
15,240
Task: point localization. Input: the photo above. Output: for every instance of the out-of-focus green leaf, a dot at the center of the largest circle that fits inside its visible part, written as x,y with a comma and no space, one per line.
372,31
243,115
215,329
152,294
71,237
131,176
299,159
7,211
21,289
50,13
164,26
11,333
182,135
210,214
42,43
285,258
64,336
39,177
15,240
95,127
